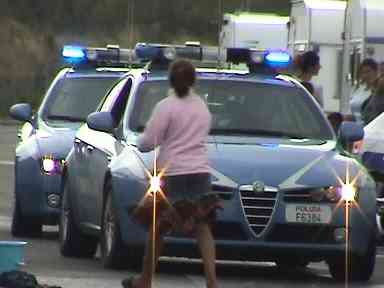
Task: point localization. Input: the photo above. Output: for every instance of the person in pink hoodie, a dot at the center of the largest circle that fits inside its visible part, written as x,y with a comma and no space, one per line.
179,126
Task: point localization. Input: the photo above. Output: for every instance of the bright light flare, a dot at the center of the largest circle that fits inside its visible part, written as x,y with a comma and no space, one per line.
48,165
155,184
154,191
348,192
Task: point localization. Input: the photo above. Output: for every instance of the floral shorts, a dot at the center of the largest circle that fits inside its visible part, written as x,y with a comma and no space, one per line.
186,200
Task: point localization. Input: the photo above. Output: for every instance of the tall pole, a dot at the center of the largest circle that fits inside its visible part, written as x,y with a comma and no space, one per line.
245,5
219,30
131,9
346,75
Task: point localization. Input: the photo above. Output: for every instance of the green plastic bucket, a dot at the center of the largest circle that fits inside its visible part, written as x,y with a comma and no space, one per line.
11,255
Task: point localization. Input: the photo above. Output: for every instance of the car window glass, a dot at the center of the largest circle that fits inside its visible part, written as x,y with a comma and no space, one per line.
113,95
244,108
75,98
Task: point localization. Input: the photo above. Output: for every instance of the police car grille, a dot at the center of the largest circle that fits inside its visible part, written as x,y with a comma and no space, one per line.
258,208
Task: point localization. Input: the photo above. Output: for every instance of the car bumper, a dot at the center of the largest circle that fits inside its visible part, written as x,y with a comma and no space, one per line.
236,241
32,190
254,251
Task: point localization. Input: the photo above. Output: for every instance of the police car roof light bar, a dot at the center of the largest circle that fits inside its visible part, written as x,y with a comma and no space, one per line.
258,57
163,52
160,55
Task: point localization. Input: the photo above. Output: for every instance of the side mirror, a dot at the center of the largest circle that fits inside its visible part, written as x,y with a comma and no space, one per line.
101,121
349,133
21,112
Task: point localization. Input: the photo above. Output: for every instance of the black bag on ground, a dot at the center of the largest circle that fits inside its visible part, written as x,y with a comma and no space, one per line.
18,279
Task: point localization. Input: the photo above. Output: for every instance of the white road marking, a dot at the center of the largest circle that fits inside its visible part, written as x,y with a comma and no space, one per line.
5,222
9,163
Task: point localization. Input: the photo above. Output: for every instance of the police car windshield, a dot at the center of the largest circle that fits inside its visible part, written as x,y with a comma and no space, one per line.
72,99
244,108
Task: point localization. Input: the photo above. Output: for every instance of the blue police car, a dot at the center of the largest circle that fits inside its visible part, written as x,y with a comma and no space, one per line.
292,193
46,136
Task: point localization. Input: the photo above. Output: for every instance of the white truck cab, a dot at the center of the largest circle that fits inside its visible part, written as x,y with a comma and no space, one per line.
253,30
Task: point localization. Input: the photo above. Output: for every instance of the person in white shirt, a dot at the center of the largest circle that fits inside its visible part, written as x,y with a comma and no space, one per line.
367,75
307,66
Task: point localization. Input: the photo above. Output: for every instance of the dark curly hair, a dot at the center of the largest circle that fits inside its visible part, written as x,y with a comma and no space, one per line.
182,76
306,61
369,62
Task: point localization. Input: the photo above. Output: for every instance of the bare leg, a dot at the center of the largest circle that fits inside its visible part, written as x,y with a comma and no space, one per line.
150,262
208,253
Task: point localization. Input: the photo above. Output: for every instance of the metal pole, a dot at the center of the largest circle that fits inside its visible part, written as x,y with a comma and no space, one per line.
346,75
220,24
131,22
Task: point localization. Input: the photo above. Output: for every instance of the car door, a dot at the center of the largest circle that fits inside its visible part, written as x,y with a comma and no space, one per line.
100,148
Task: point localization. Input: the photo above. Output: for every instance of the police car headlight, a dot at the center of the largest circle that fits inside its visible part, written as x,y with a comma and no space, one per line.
348,192
51,166
332,194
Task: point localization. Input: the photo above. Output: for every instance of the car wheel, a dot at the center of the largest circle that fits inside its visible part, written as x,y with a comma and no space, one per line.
73,243
114,253
22,226
360,267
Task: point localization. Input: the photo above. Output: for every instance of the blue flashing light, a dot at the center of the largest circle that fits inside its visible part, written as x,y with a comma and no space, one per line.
278,58
74,53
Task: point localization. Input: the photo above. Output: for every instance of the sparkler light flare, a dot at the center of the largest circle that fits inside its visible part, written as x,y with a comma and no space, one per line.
348,192
154,191
155,184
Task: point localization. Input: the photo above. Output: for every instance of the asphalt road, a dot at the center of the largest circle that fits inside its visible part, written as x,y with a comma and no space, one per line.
43,259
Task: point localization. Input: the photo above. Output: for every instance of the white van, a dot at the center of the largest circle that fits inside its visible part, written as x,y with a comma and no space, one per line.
253,30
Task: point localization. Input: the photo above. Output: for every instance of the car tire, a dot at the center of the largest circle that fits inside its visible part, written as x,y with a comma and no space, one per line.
114,253
361,267
22,226
73,243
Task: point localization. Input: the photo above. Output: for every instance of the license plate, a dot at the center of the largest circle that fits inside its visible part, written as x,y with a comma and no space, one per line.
308,213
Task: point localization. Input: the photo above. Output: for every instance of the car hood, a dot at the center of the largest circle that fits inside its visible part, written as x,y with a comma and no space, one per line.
277,165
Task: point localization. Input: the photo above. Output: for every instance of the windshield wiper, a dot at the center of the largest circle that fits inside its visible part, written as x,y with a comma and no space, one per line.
65,118
256,132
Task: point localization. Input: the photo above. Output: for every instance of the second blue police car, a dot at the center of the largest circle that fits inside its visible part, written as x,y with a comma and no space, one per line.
47,135
292,193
